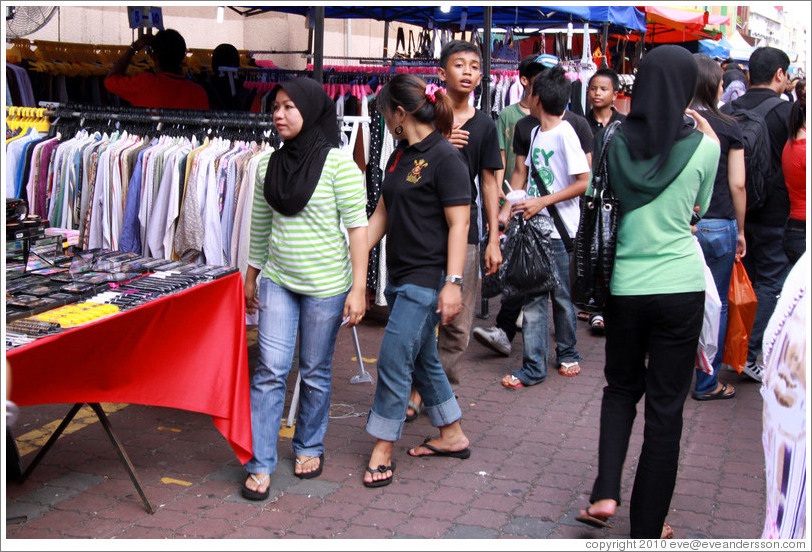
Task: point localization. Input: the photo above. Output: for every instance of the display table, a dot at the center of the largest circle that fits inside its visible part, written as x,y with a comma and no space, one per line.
187,350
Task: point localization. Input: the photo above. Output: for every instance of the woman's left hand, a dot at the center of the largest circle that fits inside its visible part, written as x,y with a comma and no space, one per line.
355,307
449,303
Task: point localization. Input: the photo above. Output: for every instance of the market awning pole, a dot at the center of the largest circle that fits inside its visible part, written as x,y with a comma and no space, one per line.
605,44
486,62
386,39
318,44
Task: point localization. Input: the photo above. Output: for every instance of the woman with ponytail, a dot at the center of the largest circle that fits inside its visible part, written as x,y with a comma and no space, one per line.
424,211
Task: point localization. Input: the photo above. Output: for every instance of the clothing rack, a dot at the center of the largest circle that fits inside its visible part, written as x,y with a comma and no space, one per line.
168,116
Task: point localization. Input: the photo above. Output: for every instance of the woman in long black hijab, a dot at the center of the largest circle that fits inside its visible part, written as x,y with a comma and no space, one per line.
660,168
312,276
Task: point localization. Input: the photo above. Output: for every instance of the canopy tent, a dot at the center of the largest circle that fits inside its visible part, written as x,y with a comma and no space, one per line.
616,19
621,19
740,50
667,24
718,49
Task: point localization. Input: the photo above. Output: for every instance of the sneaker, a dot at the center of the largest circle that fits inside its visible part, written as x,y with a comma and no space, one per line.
493,338
754,370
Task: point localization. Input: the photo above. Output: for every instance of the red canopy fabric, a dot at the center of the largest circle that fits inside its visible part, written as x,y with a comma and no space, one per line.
670,24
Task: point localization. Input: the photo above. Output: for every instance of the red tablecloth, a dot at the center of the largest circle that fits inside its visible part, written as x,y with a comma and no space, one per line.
186,350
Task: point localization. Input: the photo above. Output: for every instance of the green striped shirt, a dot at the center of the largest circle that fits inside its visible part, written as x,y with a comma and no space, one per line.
308,252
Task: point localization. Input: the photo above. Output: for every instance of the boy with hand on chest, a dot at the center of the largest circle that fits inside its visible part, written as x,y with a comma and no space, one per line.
474,132
558,176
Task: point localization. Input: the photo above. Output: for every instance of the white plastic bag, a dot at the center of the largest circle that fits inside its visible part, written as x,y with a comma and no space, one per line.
710,326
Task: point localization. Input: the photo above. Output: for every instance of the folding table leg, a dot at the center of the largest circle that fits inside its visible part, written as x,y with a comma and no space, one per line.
122,454
51,440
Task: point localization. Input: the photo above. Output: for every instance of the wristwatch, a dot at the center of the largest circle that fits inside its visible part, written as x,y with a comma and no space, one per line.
453,279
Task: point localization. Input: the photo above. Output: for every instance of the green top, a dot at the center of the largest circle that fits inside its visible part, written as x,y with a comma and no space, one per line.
656,253
308,252
504,126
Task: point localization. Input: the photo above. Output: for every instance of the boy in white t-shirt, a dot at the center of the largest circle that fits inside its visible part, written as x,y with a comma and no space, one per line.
558,163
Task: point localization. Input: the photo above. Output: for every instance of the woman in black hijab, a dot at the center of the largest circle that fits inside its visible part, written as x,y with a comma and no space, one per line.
312,275
660,168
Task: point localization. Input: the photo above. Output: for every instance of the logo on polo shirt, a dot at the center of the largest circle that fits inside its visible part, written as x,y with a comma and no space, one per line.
414,176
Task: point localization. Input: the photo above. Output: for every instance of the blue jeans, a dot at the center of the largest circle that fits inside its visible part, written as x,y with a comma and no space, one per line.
794,239
718,240
767,267
536,324
282,315
409,352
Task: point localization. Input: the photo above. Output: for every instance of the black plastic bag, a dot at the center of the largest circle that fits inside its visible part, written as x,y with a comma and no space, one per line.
491,285
527,260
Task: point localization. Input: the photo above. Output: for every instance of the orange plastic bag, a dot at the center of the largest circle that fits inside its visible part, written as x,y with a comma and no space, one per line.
741,311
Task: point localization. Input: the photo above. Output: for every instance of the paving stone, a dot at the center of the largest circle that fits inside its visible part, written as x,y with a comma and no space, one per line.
528,527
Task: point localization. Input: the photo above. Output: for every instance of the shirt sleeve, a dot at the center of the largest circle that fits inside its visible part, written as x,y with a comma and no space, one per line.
521,136
491,157
708,173
261,223
577,162
127,87
350,192
453,181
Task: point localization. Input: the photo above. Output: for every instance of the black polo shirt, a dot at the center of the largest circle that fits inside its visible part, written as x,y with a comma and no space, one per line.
523,132
775,210
481,152
596,125
419,182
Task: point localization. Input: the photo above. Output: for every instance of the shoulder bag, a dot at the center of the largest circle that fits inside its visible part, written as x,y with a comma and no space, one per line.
596,238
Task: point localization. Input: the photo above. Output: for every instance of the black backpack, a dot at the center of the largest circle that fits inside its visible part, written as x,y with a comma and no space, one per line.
757,152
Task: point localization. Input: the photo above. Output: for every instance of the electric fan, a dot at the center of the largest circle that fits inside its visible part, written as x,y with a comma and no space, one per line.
24,20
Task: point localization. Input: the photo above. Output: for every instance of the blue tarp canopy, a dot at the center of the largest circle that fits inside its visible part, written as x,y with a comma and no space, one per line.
719,49
621,19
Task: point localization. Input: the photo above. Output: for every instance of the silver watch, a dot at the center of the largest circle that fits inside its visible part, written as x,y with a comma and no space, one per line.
454,279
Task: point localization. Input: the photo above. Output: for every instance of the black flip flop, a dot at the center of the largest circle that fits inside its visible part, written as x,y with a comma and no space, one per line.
312,474
256,495
462,454
594,521
381,482
717,396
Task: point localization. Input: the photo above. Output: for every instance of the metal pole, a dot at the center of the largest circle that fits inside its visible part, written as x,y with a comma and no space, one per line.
386,39
605,44
318,44
486,62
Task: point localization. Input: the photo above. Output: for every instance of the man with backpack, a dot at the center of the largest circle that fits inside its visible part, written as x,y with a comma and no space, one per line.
760,109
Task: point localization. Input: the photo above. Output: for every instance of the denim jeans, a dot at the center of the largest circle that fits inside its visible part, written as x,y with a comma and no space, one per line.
794,239
536,324
767,267
718,240
409,352
282,315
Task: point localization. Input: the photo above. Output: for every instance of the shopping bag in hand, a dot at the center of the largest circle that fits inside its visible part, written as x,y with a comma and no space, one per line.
527,262
741,311
709,336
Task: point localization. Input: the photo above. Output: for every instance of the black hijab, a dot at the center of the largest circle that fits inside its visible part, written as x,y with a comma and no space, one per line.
295,168
658,143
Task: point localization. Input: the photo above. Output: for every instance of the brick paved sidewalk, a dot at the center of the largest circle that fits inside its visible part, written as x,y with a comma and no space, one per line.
533,461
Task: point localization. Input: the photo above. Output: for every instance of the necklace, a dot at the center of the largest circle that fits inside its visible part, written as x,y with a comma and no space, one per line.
768,345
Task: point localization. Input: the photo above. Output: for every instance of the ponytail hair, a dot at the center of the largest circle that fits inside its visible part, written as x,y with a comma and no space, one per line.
410,92
797,117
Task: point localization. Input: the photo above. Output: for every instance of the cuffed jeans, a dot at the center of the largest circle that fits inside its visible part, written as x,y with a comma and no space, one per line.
767,267
718,239
282,315
536,324
409,353
666,327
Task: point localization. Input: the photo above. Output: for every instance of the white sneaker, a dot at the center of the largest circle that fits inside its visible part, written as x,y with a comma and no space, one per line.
754,370
493,338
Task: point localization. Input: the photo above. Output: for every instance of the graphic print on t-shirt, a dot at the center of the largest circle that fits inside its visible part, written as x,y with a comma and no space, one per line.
541,160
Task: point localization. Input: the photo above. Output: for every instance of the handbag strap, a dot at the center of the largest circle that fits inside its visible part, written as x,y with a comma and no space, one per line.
559,223
600,178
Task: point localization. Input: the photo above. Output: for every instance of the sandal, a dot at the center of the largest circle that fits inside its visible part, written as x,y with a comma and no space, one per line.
310,474
417,407
512,382
594,520
667,533
569,369
380,482
256,495
596,324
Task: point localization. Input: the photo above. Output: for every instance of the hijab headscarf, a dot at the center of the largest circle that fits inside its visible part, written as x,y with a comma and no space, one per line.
294,169
658,143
